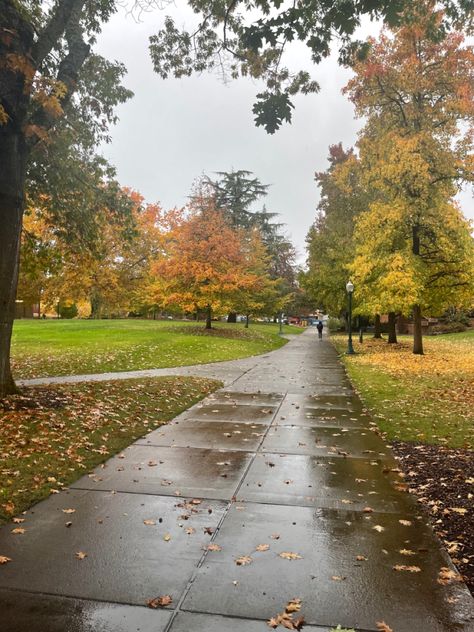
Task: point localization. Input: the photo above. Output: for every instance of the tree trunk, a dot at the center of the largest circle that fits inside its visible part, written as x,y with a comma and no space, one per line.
232,317
392,330
208,317
417,334
96,305
247,321
13,155
378,327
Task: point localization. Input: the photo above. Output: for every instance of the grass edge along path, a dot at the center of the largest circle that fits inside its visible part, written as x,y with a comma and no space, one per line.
51,436
53,348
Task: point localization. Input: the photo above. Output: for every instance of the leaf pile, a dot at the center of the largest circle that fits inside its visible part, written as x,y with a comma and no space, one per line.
51,436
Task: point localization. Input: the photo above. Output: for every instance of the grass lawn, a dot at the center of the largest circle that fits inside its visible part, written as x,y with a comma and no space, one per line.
50,436
71,347
429,399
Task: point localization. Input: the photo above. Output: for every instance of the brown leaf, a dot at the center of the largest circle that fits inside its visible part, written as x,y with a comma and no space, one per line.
338,578
243,560
410,569
18,520
213,547
80,555
361,558
69,511
149,522
262,547
383,627
160,602
4,559
446,576
288,555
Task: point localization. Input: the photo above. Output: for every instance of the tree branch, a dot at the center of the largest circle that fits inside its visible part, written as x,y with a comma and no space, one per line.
55,28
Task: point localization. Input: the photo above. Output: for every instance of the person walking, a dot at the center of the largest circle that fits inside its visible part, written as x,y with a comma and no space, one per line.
319,327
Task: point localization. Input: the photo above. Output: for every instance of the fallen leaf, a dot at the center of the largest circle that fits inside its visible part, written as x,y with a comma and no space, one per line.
4,559
361,558
410,569
407,552
80,555
213,547
243,560
287,555
69,511
18,531
446,576
149,522
167,537
262,547
378,528
383,627
405,523
18,520
160,602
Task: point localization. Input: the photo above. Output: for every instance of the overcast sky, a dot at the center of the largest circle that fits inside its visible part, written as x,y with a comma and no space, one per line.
173,130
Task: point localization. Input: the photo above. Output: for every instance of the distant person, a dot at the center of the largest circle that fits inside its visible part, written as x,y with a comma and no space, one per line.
320,327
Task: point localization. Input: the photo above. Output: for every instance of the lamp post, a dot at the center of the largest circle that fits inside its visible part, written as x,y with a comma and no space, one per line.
350,290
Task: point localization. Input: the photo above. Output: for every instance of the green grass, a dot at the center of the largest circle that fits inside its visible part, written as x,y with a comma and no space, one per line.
71,347
50,436
428,399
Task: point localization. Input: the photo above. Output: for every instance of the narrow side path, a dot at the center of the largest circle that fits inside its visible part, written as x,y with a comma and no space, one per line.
272,489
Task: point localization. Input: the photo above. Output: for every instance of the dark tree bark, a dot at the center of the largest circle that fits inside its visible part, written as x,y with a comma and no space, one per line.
208,317
417,333
392,330
378,327
16,40
247,318
232,317
18,136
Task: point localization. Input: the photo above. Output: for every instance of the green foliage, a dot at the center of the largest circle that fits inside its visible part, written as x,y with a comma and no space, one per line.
67,309
336,324
249,39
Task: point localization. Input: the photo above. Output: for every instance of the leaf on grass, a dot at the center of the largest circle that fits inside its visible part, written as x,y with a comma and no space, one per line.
159,602
288,555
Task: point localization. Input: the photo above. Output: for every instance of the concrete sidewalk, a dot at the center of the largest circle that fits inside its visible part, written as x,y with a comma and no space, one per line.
271,489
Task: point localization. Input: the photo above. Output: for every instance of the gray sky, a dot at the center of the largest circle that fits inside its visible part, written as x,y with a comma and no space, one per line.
174,130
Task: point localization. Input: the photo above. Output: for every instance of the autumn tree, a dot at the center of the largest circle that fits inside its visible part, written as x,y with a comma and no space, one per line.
204,264
414,249
330,243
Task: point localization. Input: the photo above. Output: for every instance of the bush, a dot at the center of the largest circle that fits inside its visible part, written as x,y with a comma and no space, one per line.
448,328
67,309
336,324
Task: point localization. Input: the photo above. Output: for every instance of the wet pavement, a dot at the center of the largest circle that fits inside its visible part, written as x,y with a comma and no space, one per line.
275,487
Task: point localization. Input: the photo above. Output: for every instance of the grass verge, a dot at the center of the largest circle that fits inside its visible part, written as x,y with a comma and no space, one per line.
50,436
429,399
71,347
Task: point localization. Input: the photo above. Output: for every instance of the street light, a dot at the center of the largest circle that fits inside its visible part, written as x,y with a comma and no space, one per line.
350,290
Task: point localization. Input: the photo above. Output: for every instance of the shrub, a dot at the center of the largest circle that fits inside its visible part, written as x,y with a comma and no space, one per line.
67,309
336,324
447,328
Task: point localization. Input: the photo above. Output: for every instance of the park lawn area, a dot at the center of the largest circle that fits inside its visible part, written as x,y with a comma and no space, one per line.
427,399
43,348
50,436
